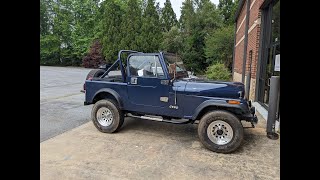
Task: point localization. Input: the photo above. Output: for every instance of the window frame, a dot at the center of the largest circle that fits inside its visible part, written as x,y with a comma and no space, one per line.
142,54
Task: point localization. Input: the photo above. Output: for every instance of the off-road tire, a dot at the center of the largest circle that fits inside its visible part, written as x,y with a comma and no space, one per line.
95,73
118,116
228,118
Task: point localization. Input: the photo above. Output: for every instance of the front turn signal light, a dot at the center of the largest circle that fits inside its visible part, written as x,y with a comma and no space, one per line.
233,102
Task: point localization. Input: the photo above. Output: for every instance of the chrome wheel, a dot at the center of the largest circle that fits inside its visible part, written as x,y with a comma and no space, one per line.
220,132
104,116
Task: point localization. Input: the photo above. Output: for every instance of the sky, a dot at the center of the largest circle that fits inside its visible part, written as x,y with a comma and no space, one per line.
176,5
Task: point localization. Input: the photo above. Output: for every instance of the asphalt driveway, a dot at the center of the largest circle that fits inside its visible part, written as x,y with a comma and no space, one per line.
61,102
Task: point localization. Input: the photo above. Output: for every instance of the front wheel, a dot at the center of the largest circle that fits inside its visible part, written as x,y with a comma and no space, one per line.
220,131
106,116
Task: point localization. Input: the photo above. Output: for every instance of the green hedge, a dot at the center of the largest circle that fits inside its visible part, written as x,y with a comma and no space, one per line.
218,71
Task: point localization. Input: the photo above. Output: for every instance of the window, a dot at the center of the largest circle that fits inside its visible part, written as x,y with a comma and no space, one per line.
145,66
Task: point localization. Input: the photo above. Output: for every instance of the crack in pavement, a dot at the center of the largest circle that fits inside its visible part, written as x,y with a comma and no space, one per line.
46,100
60,85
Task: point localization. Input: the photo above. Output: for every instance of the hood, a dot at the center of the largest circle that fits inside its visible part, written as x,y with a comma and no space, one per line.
221,89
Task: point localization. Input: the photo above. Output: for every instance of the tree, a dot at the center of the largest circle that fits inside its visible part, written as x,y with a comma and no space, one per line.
111,25
44,18
172,41
49,49
159,9
218,71
187,24
63,23
95,57
131,27
208,17
49,43
83,34
198,19
208,20
219,46
187,16
228,9
150,31
168,18
69,27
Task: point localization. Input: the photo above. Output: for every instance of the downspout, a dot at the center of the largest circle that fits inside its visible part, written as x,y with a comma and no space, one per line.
245,41
234,47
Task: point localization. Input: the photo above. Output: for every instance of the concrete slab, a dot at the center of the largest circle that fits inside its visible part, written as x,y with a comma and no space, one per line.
154,150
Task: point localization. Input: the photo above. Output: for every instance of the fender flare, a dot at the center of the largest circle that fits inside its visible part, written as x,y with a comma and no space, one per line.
113,93
218,103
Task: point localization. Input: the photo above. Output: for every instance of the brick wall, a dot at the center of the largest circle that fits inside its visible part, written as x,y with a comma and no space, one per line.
241,24
253,42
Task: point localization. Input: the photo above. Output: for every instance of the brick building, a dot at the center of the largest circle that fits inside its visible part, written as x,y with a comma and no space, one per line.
257,46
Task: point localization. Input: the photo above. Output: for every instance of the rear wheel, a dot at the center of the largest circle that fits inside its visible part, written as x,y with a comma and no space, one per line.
95,73
220,131
106,116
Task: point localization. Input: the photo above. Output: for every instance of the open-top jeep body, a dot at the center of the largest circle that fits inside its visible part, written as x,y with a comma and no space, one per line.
155,86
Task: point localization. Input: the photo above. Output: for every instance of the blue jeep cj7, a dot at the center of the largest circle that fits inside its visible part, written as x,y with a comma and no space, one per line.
156,86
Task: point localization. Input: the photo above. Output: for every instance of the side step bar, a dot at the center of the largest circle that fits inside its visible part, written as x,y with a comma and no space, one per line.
159,118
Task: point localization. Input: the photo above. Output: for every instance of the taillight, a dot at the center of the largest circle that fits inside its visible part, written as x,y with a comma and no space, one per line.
84,85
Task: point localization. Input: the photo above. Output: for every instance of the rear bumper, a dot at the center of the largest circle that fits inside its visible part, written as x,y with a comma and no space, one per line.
84,103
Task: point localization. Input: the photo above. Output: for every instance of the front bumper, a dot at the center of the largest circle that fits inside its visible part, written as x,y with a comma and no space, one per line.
251,116
254,119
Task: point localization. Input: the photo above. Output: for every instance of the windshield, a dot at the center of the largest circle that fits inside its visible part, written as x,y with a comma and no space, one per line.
171,59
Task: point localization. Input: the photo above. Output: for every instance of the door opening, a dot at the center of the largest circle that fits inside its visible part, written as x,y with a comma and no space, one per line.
270,50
